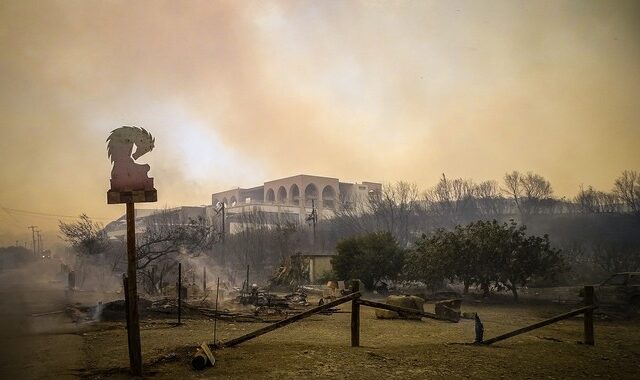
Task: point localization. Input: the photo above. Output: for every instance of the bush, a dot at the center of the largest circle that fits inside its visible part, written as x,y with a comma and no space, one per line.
369,258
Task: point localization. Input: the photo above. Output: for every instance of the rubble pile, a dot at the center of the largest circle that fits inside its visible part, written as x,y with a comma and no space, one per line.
293,272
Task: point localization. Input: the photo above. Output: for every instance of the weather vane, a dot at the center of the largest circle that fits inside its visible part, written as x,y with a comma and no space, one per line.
130,183
129,180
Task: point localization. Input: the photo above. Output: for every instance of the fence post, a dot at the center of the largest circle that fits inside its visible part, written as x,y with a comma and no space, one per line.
179,292
588,316
355,316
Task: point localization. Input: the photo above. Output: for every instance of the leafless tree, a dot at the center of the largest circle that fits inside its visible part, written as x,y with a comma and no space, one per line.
594,201
627,188
85,236
489,201
451,199
531,192
91,242
165,233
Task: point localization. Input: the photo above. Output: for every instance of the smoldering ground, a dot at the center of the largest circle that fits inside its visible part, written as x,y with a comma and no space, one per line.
36,346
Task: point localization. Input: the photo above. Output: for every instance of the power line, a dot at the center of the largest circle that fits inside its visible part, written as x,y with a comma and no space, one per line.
11,211
12,217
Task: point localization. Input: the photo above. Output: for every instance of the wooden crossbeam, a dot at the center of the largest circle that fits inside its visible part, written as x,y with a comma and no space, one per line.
539,324
399,309
295,318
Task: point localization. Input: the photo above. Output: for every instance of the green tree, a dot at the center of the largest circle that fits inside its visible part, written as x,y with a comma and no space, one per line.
486,253
432,260
370,258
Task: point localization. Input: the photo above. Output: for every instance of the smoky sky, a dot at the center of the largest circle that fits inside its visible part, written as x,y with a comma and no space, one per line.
239,92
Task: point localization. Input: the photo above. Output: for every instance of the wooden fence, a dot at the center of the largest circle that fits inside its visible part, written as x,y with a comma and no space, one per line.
587,310
356,301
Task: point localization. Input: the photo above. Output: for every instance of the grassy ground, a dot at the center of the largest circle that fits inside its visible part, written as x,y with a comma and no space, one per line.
319,347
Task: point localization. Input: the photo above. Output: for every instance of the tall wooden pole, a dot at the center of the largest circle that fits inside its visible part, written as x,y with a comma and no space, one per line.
588,316
204,280
215,316
179,292
355,315
133,322
247,281
315,220
223,222
127,314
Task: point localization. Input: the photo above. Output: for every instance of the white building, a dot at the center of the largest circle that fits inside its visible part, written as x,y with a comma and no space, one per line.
290,199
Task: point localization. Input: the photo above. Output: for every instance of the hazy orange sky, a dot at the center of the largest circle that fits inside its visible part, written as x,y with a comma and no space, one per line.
240,92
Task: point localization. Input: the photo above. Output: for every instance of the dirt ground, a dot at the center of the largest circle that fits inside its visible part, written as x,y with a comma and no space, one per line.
319,347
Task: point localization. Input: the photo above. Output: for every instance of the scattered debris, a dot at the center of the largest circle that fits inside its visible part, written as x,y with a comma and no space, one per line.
297,298
550,338
293,272
203,357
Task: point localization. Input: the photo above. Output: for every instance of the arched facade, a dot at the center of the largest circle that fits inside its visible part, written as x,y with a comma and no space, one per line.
281,196
225,202
233,201
310,193
270,197
294,194
329,197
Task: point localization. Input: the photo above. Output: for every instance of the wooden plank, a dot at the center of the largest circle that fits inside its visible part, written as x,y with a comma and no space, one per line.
290,320
588,316
399,309
534,326
355,316
138,196
207,351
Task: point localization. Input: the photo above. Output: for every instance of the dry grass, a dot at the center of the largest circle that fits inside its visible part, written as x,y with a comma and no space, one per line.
319,347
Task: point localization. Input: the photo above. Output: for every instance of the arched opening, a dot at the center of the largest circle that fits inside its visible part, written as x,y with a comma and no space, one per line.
271,196
294,194
216,201
233,201
310,193
225,202
282,195
328,197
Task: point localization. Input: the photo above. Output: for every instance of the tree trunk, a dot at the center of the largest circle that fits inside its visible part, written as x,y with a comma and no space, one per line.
514,291
466,287
485,289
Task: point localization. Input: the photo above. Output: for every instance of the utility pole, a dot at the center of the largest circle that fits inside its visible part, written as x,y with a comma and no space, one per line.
313,218
223,222
39,242
33,237
218,211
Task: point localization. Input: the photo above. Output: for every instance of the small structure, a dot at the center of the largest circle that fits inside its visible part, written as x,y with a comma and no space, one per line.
319,265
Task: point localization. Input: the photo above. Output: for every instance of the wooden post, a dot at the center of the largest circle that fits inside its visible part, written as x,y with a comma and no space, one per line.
534,326
355,316
588,316
248,287
179,292
204,280
287,321
127,317
215,317
133,322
